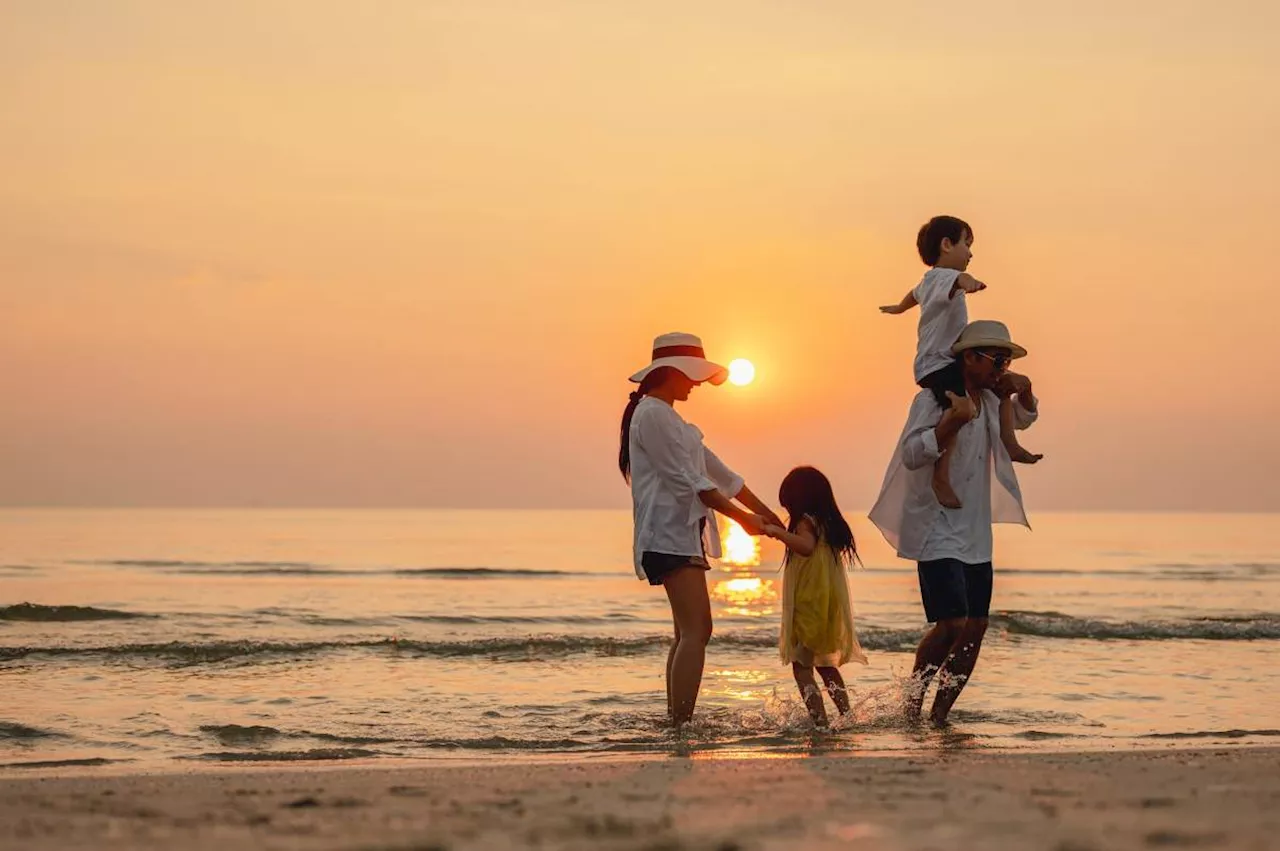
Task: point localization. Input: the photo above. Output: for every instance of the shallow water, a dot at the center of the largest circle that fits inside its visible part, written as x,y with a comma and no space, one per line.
272,635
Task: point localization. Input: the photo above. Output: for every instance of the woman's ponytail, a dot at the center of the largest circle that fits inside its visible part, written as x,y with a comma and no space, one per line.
650,381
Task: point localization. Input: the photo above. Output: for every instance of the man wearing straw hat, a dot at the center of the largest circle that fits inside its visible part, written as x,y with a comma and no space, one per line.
953,547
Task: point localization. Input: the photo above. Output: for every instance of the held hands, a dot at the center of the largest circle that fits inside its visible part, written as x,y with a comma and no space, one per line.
774,530
753,524
962,407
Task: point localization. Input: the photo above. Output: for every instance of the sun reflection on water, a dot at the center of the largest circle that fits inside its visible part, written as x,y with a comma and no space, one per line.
743,685
749,596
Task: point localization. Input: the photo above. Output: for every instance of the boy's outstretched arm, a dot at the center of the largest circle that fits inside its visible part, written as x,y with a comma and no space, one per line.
908,302
966,283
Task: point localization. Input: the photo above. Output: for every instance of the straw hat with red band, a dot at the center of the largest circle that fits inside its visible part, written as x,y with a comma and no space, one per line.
685,353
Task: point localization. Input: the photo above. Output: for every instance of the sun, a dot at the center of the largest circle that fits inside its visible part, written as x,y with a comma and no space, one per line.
741,372
740,549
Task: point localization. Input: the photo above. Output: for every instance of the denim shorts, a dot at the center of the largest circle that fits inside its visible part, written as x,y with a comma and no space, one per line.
950,588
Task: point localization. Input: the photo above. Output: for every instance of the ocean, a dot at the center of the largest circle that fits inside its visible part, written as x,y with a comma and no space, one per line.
184,637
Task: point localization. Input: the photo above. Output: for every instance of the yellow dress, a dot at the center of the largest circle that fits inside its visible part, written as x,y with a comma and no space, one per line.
817,615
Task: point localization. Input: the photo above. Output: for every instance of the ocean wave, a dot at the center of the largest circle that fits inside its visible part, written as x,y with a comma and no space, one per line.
1209,571
1058,625
483,572
190,652
517,618
1220,570
1053,625
518,648
13,730
314,754
316,619
295,568
504,743
1214,734
180,563
496,648
63,763
259,734
38,612
237,734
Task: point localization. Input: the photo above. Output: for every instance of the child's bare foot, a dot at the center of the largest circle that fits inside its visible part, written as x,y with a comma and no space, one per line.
946,496
1022,456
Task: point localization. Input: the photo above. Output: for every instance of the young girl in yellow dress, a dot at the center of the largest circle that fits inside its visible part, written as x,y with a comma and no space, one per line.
817,616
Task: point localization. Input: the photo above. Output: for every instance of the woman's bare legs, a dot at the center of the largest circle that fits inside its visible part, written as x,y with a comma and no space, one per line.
686,589
671,655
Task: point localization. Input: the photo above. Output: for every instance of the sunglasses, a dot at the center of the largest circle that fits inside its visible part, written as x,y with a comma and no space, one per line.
999,361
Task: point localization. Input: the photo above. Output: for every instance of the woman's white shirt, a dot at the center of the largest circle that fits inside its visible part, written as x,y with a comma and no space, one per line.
670,466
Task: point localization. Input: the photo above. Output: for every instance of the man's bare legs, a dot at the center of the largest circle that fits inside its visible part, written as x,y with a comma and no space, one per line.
932,652
686,590
951,646
957,668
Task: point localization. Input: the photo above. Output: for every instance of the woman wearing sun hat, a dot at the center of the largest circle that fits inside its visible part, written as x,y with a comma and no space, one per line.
677,486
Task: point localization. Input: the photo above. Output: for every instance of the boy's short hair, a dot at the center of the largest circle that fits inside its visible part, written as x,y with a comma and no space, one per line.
929,240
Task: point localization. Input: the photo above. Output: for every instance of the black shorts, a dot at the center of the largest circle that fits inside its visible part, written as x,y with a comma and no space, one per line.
950,588
938,382
658,566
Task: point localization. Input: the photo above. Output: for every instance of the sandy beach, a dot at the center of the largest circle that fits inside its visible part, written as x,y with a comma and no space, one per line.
1223,798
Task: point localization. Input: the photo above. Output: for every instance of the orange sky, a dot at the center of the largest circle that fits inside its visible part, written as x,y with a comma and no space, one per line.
406,253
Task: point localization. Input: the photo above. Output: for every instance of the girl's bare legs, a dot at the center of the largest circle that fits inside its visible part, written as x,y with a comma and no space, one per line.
942,477
835,687
686,589
1009,435
810,693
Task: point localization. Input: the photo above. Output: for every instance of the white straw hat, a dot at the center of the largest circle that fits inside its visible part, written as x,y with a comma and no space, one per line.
987,334
685,353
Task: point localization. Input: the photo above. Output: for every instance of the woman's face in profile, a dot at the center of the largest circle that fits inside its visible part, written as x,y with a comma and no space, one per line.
680,385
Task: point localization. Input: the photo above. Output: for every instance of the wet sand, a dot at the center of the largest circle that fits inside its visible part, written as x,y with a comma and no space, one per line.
1225,798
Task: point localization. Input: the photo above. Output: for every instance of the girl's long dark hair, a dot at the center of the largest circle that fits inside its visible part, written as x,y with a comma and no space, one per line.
652,380
806,491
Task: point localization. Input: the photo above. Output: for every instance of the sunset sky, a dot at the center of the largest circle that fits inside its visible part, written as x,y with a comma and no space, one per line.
406,253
